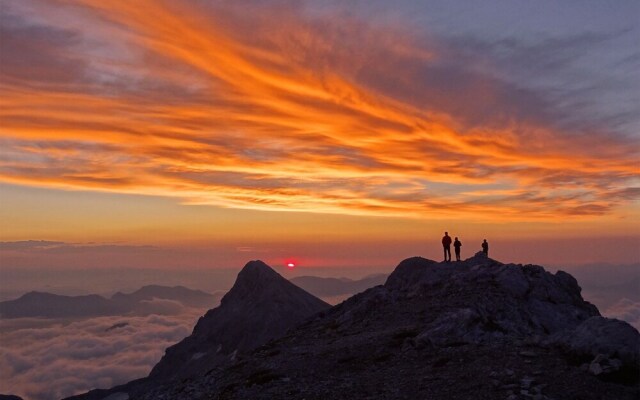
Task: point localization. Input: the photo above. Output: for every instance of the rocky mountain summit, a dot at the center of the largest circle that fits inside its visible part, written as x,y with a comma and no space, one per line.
476,329
261,305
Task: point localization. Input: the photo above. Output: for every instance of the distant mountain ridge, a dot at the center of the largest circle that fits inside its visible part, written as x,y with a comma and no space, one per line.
48,305
326,287
186,296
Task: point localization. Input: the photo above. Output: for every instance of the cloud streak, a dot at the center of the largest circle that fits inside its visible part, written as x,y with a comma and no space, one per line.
271,106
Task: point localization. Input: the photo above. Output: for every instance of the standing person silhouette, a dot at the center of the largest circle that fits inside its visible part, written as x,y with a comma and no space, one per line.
446,244
485,247
456,245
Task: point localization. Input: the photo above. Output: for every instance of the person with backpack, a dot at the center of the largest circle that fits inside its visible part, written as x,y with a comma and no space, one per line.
485,248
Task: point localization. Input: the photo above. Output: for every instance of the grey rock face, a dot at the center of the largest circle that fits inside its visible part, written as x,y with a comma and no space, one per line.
602,338
509,300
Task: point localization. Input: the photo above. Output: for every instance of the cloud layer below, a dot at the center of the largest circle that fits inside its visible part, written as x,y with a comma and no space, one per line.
50,359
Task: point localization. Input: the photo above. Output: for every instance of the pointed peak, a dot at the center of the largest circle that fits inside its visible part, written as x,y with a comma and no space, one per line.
257,269
259,283
256,276
256,265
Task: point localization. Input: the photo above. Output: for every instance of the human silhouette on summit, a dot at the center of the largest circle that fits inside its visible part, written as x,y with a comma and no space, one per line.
446,244
485,247
456,245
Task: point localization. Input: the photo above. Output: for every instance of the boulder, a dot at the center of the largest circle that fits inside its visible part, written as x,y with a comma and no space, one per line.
609,338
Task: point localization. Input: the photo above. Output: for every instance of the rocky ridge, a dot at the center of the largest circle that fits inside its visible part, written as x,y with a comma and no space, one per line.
475,329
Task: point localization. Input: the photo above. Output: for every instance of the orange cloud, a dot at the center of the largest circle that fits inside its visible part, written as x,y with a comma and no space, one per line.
275,108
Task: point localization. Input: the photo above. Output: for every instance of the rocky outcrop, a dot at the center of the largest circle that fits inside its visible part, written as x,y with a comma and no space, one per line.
508,300
475,329
609,346
598,335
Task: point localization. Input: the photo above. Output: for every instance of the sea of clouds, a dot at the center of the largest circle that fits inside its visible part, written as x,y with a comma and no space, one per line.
45,359
626,310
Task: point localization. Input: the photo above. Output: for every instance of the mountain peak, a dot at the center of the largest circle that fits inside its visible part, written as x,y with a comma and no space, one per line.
260,306
257,269
258,282
256,265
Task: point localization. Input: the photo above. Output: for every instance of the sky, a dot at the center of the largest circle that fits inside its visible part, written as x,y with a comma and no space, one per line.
204,134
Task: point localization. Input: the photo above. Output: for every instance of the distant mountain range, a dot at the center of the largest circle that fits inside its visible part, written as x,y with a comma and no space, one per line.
47,305
476,329
329,287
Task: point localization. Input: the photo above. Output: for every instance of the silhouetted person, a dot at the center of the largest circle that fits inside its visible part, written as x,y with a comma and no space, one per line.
485,248
456,245
446,243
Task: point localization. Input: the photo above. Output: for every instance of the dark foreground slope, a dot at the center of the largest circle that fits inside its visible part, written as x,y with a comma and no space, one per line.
261,305
472,330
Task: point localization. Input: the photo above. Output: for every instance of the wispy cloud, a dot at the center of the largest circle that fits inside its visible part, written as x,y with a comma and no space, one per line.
30,245
270,106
